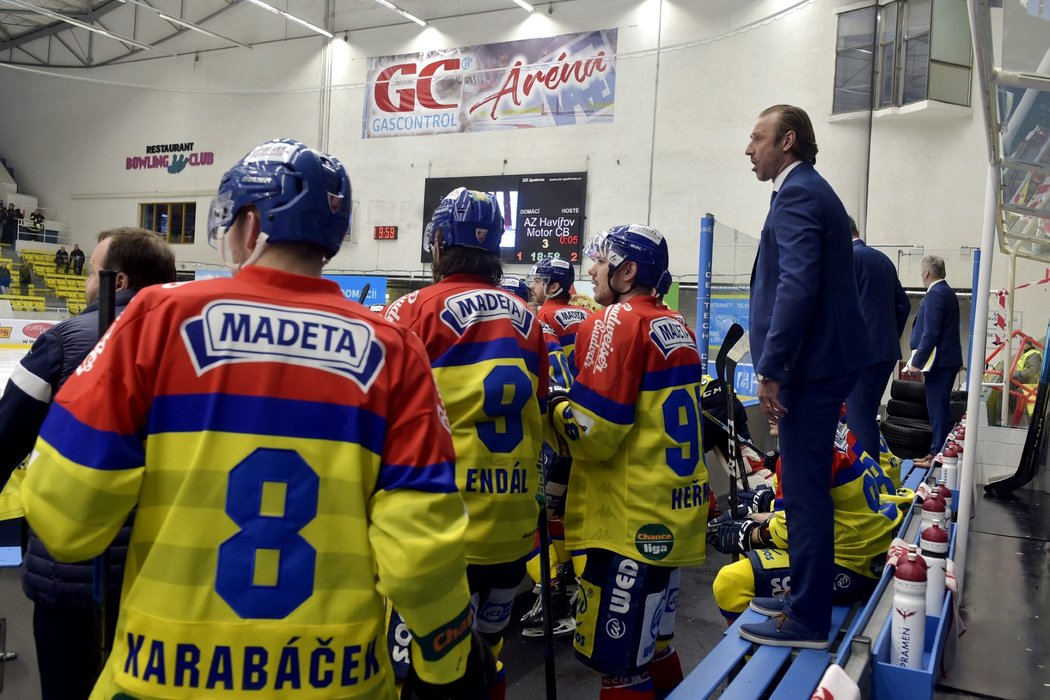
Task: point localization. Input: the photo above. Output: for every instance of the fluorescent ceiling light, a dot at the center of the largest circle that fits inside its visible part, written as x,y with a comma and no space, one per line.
293,18
84,25
524,5
403,13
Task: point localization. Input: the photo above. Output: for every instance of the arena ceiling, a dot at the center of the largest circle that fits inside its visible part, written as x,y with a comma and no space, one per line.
89,33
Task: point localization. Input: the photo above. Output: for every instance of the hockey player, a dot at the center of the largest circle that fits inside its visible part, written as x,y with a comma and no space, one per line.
490,365
287,453
550,282
868,511
638,492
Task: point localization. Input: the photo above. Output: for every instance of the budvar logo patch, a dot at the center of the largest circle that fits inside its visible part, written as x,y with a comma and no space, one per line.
477,306
229,331
669,335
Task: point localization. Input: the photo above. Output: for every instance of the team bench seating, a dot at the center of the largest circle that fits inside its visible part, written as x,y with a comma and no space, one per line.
781,672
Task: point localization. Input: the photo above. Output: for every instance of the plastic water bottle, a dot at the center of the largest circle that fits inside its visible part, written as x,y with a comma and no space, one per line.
933,507
945,493
950,465
934,544
908,627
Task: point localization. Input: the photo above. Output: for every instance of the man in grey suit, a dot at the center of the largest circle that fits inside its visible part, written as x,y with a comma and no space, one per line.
884,307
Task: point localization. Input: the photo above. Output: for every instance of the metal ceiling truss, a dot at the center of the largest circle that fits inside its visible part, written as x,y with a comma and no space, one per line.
63,29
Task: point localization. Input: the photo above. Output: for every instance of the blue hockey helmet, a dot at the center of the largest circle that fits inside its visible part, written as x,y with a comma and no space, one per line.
466,218
516,285
551,270
642,245
302,195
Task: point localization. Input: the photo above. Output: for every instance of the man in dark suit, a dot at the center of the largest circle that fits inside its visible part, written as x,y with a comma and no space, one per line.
803,309
885,308
936,331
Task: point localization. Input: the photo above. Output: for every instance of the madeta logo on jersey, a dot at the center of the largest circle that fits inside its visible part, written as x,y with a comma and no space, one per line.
554,81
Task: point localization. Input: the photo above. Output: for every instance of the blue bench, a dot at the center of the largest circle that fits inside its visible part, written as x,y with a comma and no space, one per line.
788,673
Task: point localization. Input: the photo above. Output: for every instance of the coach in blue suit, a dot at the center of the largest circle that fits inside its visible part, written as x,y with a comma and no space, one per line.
885,309
937,328
803,308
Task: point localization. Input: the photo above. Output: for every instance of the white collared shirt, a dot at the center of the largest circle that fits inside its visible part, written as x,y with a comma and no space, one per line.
779,179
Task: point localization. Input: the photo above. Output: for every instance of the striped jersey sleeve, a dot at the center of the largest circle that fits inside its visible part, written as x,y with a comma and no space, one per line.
286,454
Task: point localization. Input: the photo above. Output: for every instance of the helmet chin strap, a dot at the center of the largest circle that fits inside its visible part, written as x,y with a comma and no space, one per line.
616,293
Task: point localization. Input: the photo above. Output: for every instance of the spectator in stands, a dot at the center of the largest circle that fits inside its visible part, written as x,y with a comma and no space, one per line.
76,257
25,276
62,260
37,217
3,229
62,616
5,278
11,224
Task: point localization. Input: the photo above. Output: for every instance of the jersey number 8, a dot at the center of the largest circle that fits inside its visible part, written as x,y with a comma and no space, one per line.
270,522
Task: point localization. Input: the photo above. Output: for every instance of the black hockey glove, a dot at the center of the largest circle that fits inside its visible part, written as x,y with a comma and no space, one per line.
475,684
758,501
730,536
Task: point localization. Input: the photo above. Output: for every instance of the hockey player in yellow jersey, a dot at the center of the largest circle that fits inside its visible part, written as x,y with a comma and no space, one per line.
490,364
868,511
288,456
638,492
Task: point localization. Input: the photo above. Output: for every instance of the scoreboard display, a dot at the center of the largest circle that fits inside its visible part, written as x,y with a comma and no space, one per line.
543,214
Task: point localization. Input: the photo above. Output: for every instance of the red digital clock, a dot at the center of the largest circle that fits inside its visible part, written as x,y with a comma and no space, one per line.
384,233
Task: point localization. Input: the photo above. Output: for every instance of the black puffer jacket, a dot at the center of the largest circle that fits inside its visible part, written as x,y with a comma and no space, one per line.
54,356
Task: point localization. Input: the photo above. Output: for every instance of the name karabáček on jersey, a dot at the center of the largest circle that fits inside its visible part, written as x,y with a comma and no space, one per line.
302,663
480,305
236,331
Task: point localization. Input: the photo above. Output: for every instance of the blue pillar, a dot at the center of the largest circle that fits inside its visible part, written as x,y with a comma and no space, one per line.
703,287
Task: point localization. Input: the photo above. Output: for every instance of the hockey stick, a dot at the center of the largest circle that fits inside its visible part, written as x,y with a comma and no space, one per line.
1034,454
364,293
107,309
740,440
546,601
731,338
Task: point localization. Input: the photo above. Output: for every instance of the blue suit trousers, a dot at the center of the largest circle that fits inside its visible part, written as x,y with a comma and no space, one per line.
862,404
807,439
939,381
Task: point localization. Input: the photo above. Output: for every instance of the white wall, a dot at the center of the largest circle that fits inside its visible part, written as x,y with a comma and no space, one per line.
682,118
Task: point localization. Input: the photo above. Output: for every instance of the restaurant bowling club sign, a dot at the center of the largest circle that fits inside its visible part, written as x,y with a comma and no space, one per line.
173,157
553,81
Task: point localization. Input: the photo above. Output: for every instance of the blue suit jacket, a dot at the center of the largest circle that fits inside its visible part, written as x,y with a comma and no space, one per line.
883,303
804,313
937,326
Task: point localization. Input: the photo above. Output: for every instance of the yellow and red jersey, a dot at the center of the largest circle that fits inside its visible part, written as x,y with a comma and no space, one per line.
868,510
564,321
490,364
287,457
638,484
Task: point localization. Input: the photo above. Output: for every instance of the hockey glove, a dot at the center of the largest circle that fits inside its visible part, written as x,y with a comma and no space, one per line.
556,395
477,679
758,501
730,536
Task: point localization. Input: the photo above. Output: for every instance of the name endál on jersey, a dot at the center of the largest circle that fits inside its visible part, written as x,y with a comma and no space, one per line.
480,305
669,335
300,664
228,331
496,480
